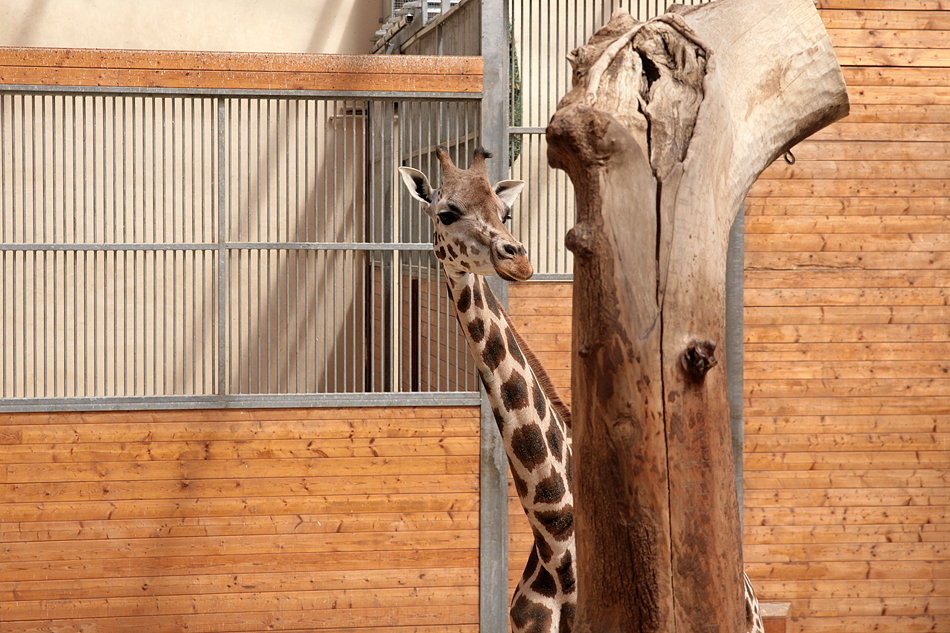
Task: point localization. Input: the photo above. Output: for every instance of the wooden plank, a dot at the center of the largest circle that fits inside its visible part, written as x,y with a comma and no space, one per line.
846,406
855,207
72,432
854,260
921,57
234,507
847,296
321,604
852,588
848,225
372,619
890,5
204,584
238,71
832,534
859,352
830,441
847,460
879,624
854,478
818,279
837,315
890,515
840,169
109,489
209,526
852,187
868,424
187,472
883,37
881,19
880,76
851,242
861,333
243,450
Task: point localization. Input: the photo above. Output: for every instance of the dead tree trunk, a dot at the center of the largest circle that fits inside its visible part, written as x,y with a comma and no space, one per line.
667,126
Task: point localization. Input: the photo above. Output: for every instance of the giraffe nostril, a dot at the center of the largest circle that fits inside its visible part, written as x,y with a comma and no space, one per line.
513,250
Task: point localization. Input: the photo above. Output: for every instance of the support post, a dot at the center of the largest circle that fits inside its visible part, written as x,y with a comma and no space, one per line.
493,480
667,126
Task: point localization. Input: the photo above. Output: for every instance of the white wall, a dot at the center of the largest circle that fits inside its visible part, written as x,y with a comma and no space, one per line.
292,26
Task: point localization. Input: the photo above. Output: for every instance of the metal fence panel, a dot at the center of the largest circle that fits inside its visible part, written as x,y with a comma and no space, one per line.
228,248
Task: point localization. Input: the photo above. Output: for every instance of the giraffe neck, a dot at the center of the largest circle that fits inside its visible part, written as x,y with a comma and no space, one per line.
536,439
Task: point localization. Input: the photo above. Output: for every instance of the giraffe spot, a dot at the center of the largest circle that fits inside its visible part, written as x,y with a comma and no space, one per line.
463,248
452,252
527,445
540,402
543,547
440,253
513,348
521,486
544,584
555,439
477,295
559,523
565,573
514,392
491,302
532,563
494,351
530,617
550,489
476,329
566,621
465,300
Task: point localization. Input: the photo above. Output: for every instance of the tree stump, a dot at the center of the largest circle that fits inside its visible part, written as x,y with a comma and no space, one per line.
667,126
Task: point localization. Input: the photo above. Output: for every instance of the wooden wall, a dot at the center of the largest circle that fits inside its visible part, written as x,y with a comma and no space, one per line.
264,520
847,329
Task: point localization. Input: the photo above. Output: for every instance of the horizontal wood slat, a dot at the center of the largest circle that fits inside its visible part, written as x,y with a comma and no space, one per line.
239,71
272,519
847,341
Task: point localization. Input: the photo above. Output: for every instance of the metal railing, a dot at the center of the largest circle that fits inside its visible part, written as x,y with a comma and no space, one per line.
222,248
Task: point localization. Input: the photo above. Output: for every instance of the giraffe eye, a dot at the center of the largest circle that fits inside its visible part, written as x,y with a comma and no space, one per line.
506,216
448,217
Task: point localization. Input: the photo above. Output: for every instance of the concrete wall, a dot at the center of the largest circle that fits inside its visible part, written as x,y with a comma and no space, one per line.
292,26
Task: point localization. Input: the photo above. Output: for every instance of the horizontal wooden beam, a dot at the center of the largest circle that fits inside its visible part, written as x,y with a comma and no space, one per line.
239,71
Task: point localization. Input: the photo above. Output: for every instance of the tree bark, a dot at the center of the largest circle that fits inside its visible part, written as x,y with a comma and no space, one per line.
667,126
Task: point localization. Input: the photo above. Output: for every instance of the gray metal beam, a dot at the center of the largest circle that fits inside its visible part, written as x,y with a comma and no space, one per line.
493,507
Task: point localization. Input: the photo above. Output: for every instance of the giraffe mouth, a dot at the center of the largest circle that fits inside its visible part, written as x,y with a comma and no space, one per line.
514,269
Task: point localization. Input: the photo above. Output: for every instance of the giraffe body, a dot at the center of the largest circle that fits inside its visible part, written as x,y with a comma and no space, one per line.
471,241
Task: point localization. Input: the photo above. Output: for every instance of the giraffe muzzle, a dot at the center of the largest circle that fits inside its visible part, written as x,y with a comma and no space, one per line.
511,262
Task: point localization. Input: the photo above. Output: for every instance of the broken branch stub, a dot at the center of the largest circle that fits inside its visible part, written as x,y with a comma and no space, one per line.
667,126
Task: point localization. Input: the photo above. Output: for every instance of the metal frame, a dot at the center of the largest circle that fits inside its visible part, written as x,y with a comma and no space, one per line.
384,241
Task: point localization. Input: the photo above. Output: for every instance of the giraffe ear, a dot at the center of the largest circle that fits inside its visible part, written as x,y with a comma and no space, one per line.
417,184
508,190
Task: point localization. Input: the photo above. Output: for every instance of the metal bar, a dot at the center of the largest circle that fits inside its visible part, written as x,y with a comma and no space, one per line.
247,401
222,261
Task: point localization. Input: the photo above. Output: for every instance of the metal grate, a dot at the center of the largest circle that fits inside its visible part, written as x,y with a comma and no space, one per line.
220,249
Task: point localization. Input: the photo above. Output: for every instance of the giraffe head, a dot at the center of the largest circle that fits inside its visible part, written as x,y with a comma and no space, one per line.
468,218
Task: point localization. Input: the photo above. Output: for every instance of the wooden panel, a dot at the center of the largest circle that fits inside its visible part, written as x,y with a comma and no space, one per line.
847,341
240,520
238,71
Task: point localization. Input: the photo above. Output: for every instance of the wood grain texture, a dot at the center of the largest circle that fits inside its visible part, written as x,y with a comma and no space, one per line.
847,336
238,71
240,520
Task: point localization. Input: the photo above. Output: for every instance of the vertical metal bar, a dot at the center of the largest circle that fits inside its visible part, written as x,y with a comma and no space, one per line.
493,504
222,262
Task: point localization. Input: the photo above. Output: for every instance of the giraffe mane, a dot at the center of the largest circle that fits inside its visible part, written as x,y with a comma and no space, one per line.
547,385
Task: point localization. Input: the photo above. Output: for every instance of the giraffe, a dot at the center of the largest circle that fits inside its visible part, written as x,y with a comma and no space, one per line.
471,241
